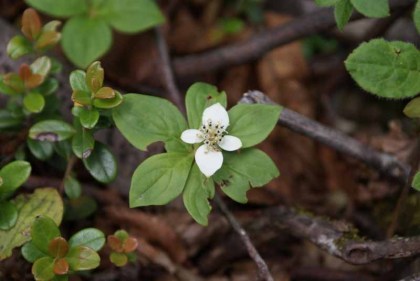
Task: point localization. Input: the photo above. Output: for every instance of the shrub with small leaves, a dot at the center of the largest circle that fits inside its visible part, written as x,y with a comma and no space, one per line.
122,247
55,258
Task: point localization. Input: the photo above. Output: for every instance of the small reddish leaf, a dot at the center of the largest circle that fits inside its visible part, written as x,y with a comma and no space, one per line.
61,266
31,24
25,72
114,243
130,244
105,93
58,247
34,81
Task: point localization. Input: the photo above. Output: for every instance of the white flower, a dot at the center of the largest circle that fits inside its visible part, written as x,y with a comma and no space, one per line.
213,134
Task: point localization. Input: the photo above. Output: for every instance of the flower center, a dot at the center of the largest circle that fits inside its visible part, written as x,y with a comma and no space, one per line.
213,133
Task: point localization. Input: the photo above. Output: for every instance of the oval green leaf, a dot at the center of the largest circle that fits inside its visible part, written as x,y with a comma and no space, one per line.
43,231
34,102
42,150
108,103
412,109
144,120
60,8
82,258
387,69
42,269
101,164
72,187
160,179
198,190
51,130
31,253
14,175
8,215
18,46
119,259
85,40
89,118
78,81
252,123
133,15
90,237
372,8
416,181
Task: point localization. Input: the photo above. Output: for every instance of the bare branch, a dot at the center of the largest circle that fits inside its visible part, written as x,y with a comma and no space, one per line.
337,239
387,164
263,271
259,44
168,76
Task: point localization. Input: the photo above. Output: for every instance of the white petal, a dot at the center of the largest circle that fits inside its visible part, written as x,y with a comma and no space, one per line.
217,114
192,136
208,161
230,143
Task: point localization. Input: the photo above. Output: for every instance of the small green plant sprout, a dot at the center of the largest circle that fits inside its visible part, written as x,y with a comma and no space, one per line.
55,258
36,38
12,176
161,178
122,248
87,34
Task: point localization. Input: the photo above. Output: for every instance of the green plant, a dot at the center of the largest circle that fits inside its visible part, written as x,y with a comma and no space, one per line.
87,34
122,247
55,258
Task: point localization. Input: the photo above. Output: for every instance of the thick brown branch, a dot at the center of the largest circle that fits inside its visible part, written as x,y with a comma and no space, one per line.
331,237
259,44
385,163
263,271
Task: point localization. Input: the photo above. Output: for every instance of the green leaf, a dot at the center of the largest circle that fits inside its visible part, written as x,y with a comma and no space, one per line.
101,164
8,119
89,118
60,8
119,259
51,130
81,97
198,190
412,109
72,187
416,181
144,120
133,15
42,150
48,87
95,76
83,142
108,103
78,81
8,215
4,89
252,123
43,231
34,102
41,66
387,69
416,16
244,170
199,97
14,175
90,237
79,208
42,269
31,253
85,40
43,202
82,258
159,179
18,46
326,3
372,8
342,13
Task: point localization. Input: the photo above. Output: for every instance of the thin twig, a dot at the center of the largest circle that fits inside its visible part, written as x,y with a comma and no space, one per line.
257,45
414,162
263,271
387,164
168,76
69,168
